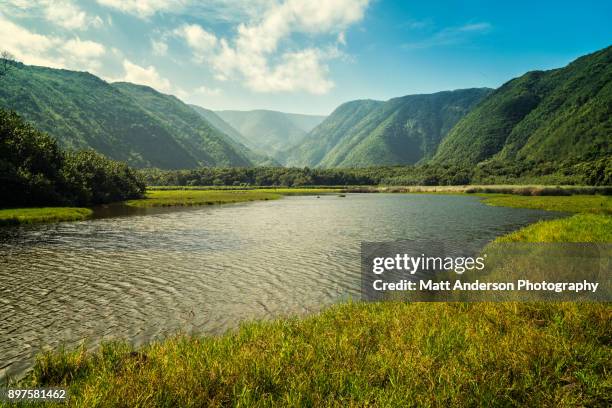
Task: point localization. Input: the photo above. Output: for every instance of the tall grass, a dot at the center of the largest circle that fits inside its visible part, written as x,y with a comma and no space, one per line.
375,354
575,203
16,216
164,198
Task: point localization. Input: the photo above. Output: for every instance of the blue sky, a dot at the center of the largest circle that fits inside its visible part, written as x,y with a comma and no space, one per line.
301,55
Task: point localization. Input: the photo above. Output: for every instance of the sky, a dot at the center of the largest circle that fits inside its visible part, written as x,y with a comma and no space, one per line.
302,56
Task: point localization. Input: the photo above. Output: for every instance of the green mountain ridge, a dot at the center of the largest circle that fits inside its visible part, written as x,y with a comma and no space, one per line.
122,121
400,131
555,115
326,135
224,127
270,132
560,116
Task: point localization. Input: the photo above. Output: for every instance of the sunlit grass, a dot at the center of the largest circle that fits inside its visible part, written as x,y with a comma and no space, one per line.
360,354
577,228
165,198
17,216
573,203
301,191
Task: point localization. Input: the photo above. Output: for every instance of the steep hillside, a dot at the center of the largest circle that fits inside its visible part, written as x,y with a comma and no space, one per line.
556,115
82,111
270,132
402,130
195,134
211,117
325,136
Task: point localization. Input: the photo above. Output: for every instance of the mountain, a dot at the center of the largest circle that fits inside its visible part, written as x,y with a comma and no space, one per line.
123,121
403,130
556,115
270,132
224,127
325,136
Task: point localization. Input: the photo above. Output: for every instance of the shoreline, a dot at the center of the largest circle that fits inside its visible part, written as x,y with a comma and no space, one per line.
89,374
177,196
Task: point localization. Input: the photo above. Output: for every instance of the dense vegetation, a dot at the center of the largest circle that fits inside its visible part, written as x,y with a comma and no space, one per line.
597,172
563,114
402,130
359,354
259,159
133,124
270,132
35,171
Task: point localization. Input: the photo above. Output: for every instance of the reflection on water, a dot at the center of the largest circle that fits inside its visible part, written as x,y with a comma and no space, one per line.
150,273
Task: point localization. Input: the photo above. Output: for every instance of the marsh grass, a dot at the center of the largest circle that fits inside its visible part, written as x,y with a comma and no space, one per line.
359,354
597,204
166,198
525,190
16,216
577,228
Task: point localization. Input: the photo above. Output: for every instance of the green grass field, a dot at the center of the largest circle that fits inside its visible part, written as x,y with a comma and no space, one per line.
187,197
577,228
373,354
598,204
362,354
47,214
166,198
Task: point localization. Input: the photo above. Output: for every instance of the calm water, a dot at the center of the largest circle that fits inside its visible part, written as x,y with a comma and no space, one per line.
207,269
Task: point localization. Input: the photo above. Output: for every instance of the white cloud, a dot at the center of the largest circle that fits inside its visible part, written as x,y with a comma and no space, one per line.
63,13
29,47
145,76
68,15
159,47
83,55
51,51
450,36
143,8
475,27
84,49
299,71
199,40
254,55
204,90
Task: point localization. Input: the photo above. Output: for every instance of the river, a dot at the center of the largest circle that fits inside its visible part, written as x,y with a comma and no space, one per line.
146,275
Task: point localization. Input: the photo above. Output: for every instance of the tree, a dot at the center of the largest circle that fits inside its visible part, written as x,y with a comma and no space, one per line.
7,62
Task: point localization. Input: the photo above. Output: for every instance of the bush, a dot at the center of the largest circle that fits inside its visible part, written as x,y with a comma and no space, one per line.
35,171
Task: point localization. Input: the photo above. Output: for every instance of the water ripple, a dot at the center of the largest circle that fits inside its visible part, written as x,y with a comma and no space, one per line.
207,269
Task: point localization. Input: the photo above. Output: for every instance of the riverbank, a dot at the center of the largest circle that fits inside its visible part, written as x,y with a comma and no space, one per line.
168,198
203,196
18,216
589,197
393,354
592,223
164,197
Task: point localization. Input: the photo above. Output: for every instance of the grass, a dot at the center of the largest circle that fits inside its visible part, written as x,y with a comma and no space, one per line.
16,216
525,190
193,196
575,203
165,198
577,228
374,354
360,354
